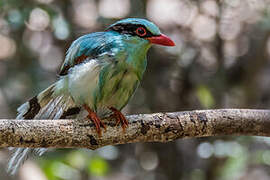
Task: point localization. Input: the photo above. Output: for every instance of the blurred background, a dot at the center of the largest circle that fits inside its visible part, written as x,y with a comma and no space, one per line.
221,61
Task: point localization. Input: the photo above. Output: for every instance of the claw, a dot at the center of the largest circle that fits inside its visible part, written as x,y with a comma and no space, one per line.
119,118
93,116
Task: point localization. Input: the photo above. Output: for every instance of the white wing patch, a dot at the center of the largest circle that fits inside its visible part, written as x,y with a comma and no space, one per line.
83,81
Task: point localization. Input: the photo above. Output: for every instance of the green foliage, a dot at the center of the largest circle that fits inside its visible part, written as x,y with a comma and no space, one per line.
77,159
98,166
205,96
69,165
233,166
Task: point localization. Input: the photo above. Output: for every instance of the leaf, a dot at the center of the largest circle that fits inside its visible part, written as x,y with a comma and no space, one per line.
205,96
98,167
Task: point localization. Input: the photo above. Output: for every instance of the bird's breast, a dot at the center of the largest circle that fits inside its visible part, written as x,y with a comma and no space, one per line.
117,86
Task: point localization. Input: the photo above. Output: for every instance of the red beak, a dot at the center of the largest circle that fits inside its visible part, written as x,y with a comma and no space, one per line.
161,40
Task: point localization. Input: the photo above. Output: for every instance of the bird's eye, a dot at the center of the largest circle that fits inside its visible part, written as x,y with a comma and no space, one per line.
141,31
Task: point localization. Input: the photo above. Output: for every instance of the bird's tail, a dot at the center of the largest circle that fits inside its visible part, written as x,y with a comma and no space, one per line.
49,104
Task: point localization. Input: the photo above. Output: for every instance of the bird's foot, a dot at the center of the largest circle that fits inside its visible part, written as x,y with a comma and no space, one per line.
93,116
119,118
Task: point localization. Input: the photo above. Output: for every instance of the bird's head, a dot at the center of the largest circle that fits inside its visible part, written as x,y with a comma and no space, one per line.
141,28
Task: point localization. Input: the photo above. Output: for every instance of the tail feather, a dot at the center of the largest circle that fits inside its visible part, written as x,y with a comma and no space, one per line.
47,105
18,157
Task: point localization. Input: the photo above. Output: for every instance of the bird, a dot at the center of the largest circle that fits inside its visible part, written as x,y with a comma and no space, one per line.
100,73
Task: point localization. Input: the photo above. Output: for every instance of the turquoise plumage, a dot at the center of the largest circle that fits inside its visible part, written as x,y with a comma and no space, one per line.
111,67
100,73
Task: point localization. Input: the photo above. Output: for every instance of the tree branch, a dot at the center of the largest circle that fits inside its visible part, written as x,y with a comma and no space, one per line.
158,127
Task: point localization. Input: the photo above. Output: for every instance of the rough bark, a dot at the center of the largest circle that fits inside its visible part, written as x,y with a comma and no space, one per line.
158,127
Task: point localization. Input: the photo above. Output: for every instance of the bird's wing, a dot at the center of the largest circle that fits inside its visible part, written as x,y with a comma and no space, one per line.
86,48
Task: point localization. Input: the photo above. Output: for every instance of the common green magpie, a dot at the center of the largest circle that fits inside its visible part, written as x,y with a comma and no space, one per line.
100,74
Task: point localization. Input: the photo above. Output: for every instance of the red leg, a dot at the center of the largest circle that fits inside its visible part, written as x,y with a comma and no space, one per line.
93,116
119,118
